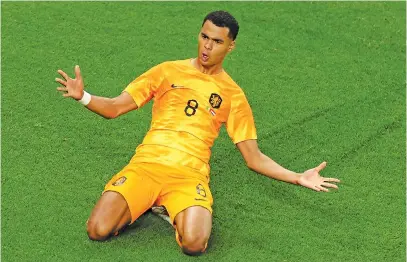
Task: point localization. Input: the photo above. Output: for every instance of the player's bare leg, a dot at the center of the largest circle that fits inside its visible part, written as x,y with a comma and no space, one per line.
194,226
110,214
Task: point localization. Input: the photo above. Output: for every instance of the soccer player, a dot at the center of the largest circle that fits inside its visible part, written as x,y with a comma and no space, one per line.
193,98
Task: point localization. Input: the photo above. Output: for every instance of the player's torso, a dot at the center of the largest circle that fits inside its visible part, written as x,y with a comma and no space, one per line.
188,111
190,101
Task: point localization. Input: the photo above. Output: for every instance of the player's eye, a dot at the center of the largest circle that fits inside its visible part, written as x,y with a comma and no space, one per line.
204,36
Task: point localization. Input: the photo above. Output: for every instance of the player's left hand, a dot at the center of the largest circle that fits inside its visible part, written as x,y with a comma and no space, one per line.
311,179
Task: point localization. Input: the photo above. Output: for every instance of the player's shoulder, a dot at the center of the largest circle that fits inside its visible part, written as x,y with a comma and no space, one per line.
228,79
167,67
174,63
230,84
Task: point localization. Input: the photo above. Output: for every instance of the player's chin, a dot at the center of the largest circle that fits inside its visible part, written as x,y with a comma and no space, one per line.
208,63
203,62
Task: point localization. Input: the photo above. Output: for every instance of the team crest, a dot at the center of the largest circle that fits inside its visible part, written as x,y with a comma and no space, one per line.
120,181
215,100
200,190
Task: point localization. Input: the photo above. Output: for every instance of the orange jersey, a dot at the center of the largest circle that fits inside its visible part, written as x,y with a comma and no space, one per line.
188,112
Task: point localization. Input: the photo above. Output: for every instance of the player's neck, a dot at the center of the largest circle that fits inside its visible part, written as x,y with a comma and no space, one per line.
212,70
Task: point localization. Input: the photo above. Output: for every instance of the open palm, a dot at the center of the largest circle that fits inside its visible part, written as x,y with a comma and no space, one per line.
312,179
71,87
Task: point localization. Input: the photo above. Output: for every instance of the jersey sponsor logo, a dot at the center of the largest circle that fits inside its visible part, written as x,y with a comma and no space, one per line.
200,190
215,100
119,181
174,86
200,199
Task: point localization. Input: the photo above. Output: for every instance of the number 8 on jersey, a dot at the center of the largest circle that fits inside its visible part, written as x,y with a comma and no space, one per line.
191,107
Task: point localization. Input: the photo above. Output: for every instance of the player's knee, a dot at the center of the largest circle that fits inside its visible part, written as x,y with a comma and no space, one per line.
193,249
193,245
98,230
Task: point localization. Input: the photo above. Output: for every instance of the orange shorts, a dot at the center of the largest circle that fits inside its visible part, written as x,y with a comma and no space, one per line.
146,184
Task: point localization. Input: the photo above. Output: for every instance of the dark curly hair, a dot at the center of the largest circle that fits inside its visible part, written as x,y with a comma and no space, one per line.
224,19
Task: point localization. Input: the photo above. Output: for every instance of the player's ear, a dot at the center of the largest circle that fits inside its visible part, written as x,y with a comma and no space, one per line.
231,46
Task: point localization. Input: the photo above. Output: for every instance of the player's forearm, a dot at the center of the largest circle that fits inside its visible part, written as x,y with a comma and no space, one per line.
268,167
103,106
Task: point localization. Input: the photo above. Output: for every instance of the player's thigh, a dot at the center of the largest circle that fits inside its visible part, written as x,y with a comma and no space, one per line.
138,189
179,194
194,224
128,194
110,212
189,204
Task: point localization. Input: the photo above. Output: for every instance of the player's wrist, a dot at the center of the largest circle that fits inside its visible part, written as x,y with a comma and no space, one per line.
297,177
86,97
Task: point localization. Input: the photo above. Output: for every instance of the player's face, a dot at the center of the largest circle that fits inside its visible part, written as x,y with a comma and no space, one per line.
213,44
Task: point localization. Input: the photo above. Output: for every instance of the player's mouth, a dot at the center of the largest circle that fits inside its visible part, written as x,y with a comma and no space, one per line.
204,57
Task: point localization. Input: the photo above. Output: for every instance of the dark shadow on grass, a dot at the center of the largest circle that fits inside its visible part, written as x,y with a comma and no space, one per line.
146,221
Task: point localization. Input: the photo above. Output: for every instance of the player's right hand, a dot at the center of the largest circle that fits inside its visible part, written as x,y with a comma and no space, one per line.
71,87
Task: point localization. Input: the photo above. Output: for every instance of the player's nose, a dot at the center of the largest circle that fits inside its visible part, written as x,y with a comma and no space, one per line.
208,45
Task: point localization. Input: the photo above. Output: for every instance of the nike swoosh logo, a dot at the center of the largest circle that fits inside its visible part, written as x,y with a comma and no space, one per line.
174,86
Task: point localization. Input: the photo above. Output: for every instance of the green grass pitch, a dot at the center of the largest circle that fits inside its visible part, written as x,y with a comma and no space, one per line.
326,81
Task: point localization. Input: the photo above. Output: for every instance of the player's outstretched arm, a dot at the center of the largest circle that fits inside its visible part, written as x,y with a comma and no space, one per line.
106,107
264,165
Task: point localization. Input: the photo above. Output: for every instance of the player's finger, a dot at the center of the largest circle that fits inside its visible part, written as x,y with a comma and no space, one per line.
66,95
321,166
77,72
322,188
63,74
331,179
329,185
63,89
316,188
59,80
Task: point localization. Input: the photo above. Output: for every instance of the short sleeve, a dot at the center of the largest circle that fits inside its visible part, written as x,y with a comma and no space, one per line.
143,88
240,123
